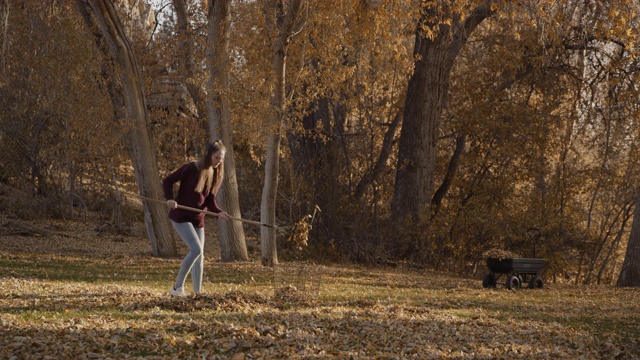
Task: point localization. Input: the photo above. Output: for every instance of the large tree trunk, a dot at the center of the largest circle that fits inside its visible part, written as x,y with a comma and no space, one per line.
283,22
630,274
316,158
426,97
232,239
140,147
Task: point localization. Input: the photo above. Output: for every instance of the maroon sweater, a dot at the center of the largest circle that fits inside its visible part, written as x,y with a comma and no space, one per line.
187,175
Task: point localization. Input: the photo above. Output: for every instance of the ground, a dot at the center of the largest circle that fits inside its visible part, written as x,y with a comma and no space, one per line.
79,289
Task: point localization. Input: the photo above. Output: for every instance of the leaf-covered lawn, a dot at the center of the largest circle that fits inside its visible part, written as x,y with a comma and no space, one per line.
105,298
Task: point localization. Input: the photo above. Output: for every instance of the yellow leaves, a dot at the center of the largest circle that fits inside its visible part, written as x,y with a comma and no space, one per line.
428,32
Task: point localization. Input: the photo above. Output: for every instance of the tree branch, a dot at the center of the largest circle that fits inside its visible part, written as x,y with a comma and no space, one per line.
472,21
387,145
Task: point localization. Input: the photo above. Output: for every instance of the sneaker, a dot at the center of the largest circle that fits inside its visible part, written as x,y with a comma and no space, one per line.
178,292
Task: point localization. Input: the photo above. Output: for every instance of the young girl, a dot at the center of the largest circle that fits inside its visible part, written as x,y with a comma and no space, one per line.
199,183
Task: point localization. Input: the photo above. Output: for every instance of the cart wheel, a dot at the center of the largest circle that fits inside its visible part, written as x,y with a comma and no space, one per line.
489,281
513,282
536,283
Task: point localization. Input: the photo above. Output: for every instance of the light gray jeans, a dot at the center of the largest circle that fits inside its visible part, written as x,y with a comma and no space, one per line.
194,260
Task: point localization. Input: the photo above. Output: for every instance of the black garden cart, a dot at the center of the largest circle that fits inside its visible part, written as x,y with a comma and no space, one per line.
518,271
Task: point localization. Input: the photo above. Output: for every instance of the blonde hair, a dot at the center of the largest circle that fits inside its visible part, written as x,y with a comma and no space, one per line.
210,178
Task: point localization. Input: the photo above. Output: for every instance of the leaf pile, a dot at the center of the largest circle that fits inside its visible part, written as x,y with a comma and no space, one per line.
300,233
500,254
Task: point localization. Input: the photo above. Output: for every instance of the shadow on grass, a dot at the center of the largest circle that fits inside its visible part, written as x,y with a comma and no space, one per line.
113,270
85,269
113,299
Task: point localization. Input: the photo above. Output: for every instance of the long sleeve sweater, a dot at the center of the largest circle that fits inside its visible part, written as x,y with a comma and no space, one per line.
187,175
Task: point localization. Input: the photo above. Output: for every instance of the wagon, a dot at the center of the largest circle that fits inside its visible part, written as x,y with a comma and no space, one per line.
518,271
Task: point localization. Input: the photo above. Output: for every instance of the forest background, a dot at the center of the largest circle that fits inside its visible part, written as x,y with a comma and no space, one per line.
427,132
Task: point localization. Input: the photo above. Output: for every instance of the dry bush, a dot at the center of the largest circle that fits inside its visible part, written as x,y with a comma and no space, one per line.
20,204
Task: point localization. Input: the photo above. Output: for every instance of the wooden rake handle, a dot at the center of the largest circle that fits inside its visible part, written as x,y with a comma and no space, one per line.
210,213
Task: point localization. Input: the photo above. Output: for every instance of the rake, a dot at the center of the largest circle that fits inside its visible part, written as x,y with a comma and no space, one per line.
299,233
212,213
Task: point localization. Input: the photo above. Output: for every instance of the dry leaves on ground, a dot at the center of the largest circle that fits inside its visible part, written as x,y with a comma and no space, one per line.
83,299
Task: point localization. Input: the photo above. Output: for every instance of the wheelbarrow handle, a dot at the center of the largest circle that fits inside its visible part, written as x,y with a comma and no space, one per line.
535,237
537,230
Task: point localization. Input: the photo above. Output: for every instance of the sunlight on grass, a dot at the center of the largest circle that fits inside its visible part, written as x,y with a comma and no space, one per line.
120,305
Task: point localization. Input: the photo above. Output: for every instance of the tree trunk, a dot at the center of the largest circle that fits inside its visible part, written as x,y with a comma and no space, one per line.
231,234
452,168
268,244
4,23
283,22
417,144
317,158
140,147
614,245
426,97
630,273
372,175
188,57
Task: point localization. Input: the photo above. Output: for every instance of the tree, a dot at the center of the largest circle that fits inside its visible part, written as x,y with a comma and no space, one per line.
346,112
439,39
134,114
282,16
190,71
630,273
233,245
211,98
4,24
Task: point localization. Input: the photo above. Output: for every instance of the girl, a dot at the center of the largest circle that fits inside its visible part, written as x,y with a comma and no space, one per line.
199,183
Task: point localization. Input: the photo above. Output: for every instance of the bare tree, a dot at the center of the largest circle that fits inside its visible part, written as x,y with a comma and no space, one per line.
187,56
214,105
232,240
103,14
282,16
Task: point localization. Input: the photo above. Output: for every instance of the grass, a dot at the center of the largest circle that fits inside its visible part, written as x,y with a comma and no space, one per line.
69,298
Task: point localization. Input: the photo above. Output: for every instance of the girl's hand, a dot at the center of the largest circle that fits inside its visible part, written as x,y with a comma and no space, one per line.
172,204
223,216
